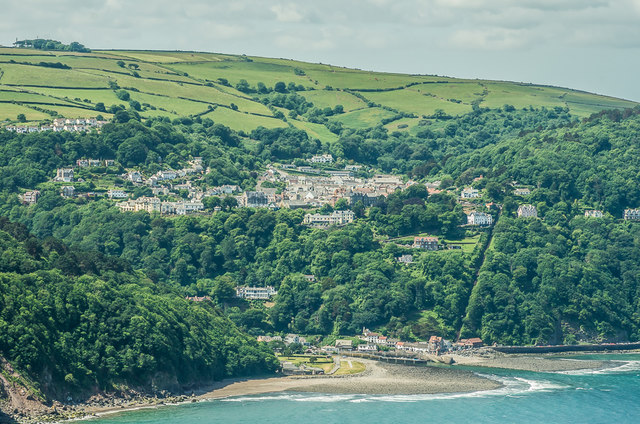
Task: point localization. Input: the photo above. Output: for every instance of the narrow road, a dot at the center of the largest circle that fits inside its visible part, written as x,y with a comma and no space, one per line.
475,279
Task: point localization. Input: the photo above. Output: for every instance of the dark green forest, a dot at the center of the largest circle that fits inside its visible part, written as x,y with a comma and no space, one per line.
560,278
74,319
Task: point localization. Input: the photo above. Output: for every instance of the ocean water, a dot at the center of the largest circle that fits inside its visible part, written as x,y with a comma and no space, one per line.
609,396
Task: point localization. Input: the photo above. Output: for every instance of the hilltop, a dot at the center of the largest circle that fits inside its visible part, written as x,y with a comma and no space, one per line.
245,93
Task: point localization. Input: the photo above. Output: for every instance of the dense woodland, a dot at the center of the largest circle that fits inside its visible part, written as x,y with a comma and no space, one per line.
560,278
74,319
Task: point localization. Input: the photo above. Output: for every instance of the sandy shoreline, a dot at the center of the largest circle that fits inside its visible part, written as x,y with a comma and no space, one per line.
378,379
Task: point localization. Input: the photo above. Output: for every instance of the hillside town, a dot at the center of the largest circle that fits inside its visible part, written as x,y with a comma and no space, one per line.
284,186
61,124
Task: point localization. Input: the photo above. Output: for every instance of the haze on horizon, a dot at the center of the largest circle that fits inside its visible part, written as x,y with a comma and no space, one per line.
591,45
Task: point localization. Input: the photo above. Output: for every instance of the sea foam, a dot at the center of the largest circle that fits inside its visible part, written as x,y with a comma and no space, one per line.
623,367
511,386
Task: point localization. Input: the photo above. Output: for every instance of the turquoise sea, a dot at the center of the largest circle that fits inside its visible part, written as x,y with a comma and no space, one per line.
610,396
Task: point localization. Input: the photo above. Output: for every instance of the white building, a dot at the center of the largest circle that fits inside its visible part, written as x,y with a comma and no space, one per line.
428,243
166,175
469,193
367,348
256,293
64,175
31,197
522,192
336,218
68,191
632,214
594,213
405,259
321,159
134,177
527,211
117,194
479,218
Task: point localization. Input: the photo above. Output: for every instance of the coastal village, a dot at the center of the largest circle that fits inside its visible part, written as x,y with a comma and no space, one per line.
184,192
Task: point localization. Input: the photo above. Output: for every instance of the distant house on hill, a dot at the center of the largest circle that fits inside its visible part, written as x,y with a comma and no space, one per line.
594,213
256,293
479,218
427,243
321,159
344,344
253,199
67,191
64,175
367,199
522,192
632,214
527,211
31,197
336,218
405,259
469,193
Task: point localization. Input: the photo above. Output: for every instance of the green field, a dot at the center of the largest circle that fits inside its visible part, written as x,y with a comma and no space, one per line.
324,98
185,83
318,131
363,118
11,111
409,100
243,121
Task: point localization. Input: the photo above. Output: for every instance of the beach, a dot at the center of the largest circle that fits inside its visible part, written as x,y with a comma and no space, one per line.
379,378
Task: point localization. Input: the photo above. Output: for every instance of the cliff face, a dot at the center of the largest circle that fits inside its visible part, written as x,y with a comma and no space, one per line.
18,402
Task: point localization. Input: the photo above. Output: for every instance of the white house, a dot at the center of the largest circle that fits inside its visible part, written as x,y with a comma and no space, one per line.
405,259
367,348
336,218
522,192
31,197
68,191
632,214
594,213
117,194
469,193
64,174
256,293
479,218
527,211
321,159
428,243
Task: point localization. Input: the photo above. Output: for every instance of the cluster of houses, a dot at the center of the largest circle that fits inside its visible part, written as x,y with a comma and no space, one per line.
311,191
154,204
374,342
88,163
61,124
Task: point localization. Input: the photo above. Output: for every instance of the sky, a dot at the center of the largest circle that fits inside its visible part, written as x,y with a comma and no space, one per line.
591,45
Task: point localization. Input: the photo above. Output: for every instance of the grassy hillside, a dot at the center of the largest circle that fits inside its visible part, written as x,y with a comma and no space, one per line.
175,84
